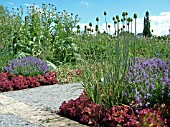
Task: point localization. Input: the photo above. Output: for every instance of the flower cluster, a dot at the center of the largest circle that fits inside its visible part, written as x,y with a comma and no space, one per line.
150,82
83,110
27,66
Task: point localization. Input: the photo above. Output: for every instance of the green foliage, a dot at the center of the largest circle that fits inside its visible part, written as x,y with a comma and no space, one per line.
106,62
5,30
5,55
45,33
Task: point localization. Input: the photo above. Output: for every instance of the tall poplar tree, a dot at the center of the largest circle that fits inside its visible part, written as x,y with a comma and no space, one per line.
146,30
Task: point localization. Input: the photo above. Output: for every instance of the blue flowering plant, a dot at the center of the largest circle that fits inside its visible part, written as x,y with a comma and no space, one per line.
27,66
150,83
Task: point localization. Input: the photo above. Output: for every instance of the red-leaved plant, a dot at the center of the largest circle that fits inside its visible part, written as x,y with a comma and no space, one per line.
83,110
120,116
165,111
32,82
151,118
4,76
6,85
48,78
10,82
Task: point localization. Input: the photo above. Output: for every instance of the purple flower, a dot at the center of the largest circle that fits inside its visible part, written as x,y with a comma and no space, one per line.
168,94
163,91
27,66
152,86
153,76
137,99
147,104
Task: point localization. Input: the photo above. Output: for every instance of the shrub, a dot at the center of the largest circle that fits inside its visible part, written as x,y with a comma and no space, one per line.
5,83
68,74
27,66
22,82
92,114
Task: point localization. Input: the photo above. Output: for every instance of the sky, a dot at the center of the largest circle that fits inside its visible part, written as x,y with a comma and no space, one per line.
88,10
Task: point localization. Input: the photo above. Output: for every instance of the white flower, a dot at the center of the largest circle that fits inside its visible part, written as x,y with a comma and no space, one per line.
102,79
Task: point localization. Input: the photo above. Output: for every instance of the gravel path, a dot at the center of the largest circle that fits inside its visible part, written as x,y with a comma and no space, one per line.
42,98
10,120
46,97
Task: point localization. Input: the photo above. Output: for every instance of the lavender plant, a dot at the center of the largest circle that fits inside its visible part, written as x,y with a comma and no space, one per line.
150,82
27,66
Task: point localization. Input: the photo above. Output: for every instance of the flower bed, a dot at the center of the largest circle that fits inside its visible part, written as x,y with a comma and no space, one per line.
142,100
87,112
27,72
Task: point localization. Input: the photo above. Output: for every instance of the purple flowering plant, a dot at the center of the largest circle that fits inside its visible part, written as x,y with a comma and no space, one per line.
27,66
150,83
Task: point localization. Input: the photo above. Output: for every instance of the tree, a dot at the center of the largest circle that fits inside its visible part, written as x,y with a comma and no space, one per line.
146,29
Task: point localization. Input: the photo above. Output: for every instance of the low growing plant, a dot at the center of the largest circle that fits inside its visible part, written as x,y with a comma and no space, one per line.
120,116
48,78
12,82
22,82
83,110
6,85
69,74
27,66
151,118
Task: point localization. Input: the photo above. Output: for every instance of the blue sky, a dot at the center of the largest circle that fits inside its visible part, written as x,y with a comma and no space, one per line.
88,10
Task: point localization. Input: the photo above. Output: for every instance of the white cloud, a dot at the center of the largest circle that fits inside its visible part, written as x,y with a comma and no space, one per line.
84,3
28,5
10,3
160,24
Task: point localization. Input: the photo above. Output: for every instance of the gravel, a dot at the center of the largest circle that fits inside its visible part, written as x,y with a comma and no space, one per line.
10,120
47,97
43,97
